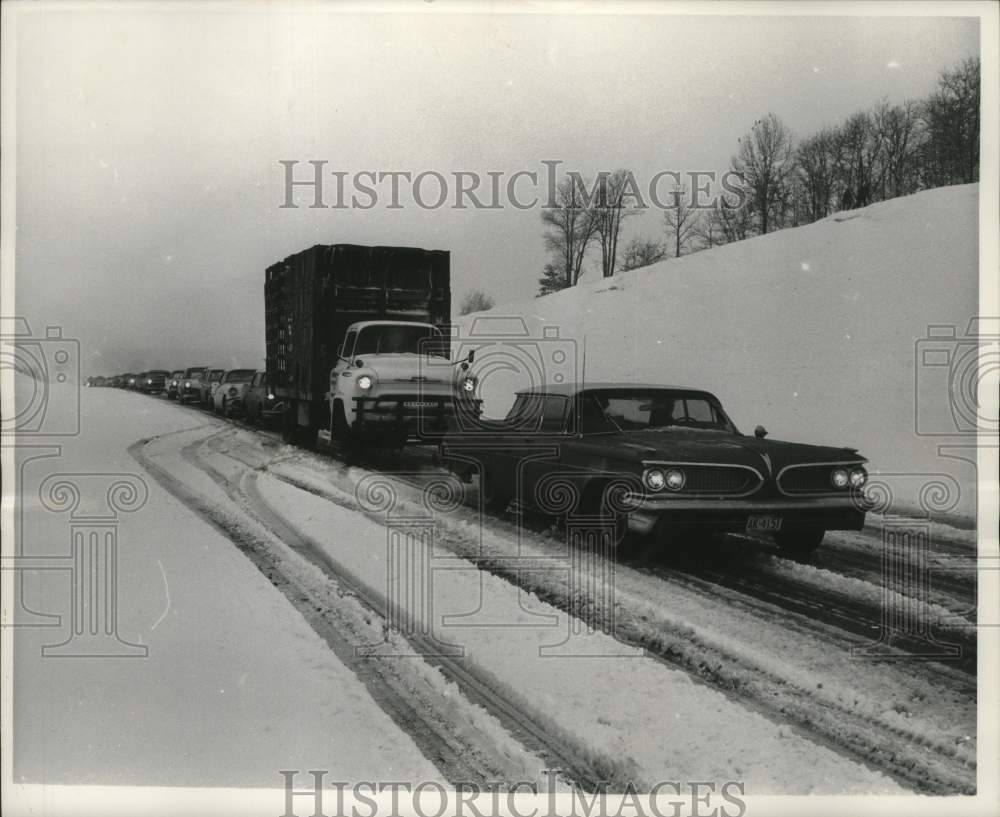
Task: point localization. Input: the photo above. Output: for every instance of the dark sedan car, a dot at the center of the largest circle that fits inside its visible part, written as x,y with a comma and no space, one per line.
153,381
659,459
174,383
261,405
190,386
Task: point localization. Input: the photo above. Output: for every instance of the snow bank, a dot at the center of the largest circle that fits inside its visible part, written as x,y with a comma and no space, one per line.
813,332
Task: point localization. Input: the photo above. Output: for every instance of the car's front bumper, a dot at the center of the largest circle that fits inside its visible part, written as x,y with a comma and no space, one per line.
731,515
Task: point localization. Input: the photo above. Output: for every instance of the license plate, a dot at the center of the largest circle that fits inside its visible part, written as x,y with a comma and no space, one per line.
767,524
419,404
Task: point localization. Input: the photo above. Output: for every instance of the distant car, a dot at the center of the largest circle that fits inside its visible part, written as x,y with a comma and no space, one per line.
260,406
658,459
230,395
153,381
190,386
209,383
174,384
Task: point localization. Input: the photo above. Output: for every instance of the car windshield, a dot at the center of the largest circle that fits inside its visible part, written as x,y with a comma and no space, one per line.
650,410
215,374
159,373
197,370
240,375
385,339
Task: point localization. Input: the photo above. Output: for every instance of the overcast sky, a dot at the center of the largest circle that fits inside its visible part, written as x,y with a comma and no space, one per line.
148,141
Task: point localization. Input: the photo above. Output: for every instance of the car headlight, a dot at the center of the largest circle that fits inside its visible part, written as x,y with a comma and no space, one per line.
364,382
173,382
187,384
655,479
270,397
859,476
149,382
675,479
840,478
233,391
469,385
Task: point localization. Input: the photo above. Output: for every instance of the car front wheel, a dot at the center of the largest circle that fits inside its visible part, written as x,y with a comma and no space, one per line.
495,497
799,541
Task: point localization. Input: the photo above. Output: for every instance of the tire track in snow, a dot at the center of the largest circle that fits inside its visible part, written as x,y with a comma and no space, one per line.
587,770
459,759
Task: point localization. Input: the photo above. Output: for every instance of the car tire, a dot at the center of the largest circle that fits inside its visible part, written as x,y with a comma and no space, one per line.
593,503
495,498
799,541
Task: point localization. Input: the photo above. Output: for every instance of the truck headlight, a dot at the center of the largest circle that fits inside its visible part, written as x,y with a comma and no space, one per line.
364,382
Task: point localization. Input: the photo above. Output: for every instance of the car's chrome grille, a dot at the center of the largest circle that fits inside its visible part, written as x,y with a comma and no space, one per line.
709,479
807,479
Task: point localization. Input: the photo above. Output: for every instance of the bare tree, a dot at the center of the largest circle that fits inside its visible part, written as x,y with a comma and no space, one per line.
609,213
951,119
899,128
641,252
816,165
764,161
570,227
476,301
860,160
680,221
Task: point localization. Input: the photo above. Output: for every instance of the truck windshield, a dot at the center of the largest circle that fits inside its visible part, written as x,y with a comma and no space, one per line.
399,339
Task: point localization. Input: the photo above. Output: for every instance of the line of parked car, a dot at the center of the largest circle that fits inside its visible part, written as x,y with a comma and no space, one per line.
229,392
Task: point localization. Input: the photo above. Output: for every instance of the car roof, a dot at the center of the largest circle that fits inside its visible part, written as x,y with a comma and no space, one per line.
569,389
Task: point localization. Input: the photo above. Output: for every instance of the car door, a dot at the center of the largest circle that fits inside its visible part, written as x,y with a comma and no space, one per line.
252,400
541,472
588,453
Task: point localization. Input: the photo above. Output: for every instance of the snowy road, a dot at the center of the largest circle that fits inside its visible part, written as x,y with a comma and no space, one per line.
260,577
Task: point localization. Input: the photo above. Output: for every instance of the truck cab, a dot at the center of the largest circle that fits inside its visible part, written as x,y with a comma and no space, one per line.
393,379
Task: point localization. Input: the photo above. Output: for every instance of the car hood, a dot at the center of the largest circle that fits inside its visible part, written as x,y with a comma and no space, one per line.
685,445
409,368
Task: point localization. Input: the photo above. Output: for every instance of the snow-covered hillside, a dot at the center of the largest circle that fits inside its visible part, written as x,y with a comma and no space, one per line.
813,332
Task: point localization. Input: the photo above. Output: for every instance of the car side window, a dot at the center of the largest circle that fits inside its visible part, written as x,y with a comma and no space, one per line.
554,414
526,412
593,420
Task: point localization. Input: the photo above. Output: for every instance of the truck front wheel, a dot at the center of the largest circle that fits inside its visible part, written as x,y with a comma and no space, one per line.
342,436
